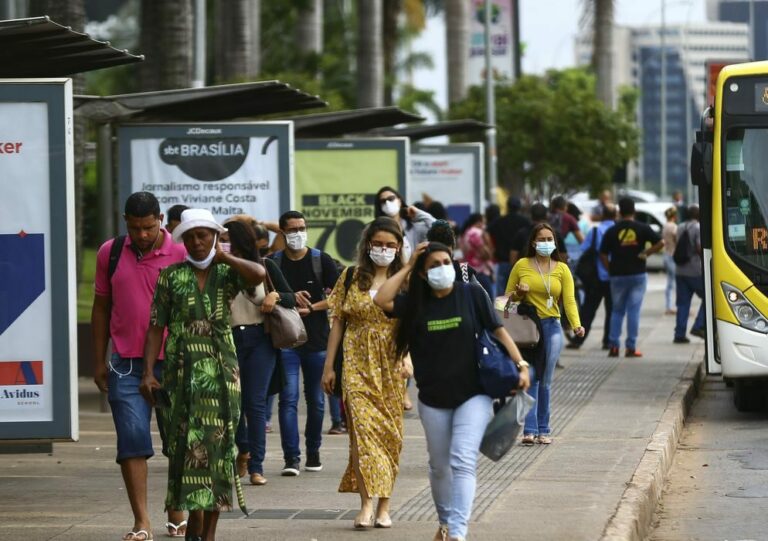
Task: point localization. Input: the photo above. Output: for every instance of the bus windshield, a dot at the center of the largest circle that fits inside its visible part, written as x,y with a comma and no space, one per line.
746,194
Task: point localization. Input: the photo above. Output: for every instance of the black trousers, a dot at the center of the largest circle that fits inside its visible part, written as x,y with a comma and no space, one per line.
593,296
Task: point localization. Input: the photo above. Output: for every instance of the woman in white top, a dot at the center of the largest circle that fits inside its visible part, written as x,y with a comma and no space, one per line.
414,222
669,235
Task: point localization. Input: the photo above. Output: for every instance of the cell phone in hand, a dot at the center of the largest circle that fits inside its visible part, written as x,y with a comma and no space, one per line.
161,397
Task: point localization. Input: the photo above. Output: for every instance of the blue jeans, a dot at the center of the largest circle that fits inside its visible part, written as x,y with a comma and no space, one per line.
537,420
669,267
311,365
627,293
686,287
257,359
453,443
334,408
503,269
131,413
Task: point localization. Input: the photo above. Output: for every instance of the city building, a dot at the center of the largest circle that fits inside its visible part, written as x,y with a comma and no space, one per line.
748,12
637,61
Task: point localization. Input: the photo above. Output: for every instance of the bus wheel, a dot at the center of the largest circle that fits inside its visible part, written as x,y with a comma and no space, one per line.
748,395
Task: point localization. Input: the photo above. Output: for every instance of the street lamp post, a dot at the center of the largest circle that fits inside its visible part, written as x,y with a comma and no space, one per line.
663,114
490,107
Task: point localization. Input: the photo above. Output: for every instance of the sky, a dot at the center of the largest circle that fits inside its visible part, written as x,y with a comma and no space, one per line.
548,29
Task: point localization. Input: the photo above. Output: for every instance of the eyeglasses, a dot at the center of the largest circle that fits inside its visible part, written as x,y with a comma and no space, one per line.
379,244
391,199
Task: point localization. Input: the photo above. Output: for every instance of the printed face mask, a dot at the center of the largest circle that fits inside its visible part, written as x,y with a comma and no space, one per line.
391,208
441,277
382,257
296,241
205,263
545,248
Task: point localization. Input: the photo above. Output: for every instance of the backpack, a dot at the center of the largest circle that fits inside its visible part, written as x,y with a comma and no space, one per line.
317,264
684,249
115,252
586,268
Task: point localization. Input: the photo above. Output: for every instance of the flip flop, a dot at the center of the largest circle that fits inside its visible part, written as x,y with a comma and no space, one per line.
176,527
134,536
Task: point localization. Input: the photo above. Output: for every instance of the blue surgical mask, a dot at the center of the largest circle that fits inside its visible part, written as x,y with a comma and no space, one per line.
545,248
441,277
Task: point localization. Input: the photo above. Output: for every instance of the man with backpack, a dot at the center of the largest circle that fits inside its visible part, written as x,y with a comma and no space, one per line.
311,274
595,279
127,268
689,277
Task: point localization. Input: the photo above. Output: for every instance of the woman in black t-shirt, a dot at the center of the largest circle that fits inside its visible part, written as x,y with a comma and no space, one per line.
437,328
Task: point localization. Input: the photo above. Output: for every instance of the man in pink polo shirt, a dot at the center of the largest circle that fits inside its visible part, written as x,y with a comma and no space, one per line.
125,284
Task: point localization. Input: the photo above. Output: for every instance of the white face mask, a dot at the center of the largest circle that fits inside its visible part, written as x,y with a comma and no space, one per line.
545,248
391,208
441,277
205,263
296,241
382,257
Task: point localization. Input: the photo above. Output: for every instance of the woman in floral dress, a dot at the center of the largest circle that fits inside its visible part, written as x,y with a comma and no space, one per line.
372,375
200,372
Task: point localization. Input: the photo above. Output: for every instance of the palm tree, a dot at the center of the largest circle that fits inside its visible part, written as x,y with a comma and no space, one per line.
71,13
166,40
370,58
309,28
234,41
457,18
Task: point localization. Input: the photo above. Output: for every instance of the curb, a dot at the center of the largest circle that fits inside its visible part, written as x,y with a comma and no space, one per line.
634,514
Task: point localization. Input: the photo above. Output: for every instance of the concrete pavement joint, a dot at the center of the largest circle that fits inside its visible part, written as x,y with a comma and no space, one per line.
634,513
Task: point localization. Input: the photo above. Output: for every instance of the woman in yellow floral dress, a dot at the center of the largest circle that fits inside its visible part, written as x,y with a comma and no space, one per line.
372,375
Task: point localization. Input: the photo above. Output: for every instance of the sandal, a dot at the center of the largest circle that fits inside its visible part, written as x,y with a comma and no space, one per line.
140,535
528,439
544,439
175,530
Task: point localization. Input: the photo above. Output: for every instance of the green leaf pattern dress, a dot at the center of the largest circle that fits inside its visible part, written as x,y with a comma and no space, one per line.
202,377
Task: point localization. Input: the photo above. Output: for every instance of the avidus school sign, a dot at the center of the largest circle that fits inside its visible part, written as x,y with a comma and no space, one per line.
236,168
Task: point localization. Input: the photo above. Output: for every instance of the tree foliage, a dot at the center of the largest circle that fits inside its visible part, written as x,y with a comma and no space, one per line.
554,133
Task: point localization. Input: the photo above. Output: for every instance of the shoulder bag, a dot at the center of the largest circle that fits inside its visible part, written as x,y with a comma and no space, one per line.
497,372
284,325
586,267
338,361
522,329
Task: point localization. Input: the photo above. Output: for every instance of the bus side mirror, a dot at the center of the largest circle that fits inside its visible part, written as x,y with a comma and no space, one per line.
701,163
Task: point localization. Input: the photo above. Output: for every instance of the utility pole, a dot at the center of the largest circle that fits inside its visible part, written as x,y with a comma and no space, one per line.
490,107
663,135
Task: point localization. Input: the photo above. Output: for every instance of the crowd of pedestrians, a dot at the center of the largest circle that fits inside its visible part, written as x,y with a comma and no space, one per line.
188,309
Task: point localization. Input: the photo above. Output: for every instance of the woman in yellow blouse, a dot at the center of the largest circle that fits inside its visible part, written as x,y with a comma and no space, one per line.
542,279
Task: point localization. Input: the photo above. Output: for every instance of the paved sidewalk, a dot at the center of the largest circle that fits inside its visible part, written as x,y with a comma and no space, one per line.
605,414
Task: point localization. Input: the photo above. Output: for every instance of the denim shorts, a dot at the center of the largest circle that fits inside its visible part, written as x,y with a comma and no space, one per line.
130,411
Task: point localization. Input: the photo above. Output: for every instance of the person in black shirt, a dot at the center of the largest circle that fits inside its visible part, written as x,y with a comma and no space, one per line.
437,328
623,252
310,274
503,231
441,232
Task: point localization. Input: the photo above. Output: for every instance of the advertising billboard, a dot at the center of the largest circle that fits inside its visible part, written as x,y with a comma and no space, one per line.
451,174
502,41
38,349
232,168
336,181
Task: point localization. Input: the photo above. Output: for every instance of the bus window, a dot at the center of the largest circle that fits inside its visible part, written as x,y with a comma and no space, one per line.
746,194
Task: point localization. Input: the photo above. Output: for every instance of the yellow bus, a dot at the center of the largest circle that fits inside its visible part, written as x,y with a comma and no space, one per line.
729,164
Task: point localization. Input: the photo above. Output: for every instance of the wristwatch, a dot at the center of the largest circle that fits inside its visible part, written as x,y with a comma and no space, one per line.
522,363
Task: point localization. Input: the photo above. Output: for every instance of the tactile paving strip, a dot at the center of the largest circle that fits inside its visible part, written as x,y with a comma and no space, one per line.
571,390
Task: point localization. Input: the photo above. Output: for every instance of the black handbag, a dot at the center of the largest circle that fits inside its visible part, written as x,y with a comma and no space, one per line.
497,372
338,361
